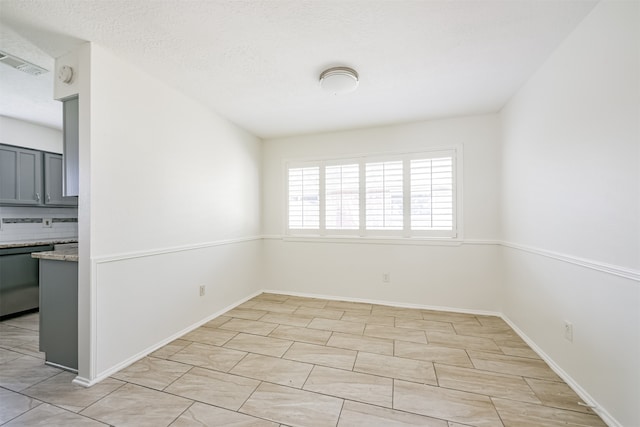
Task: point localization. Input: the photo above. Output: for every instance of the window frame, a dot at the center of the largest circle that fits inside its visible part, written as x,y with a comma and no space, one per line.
362,233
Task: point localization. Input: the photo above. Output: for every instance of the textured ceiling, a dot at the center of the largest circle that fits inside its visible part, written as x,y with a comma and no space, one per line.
257,62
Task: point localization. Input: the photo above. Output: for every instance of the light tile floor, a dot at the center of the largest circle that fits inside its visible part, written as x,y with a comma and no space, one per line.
289,361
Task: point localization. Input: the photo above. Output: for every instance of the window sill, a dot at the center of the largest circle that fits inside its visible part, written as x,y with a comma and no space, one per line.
378,240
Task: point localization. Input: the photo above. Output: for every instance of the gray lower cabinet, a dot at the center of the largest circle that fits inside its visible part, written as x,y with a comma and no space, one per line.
53,170
20,176
19,279
59,312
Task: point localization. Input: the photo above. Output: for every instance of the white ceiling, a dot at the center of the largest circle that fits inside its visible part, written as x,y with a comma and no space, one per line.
257,62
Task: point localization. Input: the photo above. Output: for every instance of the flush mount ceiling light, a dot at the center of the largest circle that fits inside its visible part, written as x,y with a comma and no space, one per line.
339,80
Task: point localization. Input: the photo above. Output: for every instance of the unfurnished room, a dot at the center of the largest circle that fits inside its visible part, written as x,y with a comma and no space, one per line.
320,213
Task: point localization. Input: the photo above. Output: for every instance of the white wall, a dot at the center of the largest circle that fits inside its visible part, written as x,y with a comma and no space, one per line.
30,135
420,274
174,203
571,208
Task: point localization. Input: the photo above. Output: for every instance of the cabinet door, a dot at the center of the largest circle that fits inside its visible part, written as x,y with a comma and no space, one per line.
53,167
8,175
20,176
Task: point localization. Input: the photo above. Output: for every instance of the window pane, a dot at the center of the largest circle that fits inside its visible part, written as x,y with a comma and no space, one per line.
432,194
342,197
383,183
304,198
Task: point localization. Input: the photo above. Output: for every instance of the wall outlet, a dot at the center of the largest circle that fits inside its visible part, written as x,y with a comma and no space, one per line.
568,331
47,222
203,290
386,277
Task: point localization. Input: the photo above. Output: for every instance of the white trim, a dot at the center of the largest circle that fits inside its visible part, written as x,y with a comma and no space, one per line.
112,370
174,249
377,240
582,393
84,382
616,270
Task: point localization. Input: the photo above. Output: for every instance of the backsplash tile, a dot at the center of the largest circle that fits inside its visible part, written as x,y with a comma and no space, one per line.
20,223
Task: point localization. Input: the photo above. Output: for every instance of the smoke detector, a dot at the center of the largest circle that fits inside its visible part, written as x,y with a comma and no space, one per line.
339,80
21,64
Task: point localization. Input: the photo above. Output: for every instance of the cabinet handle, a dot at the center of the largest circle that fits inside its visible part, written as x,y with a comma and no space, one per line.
37,197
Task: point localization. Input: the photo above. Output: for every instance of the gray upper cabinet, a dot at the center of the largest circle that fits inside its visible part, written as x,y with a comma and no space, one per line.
53,167
71,140
20,176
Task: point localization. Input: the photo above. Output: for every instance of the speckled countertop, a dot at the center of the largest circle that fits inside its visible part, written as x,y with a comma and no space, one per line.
26,243
66,254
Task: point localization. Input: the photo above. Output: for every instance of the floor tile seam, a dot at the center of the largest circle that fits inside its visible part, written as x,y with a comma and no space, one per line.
181,414
495,373
247,332
79,412
40,381
236,364
40,402
340,413
13,351
490,396
68,410
318,364
165,392
364,373
238,411
61,408
23,413
301,342
393,378
399,357
518,375
550,405
178,378
594,415
345,398
506,357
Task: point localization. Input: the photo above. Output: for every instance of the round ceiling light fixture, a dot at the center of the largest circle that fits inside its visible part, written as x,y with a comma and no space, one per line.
339,80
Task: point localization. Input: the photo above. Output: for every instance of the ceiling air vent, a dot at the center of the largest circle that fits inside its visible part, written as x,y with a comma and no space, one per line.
21,64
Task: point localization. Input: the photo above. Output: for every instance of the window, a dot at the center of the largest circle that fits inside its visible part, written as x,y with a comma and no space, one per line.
304,198
342,197
432,194
384,195
408,195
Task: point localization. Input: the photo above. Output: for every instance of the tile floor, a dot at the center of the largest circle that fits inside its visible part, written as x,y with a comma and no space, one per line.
289,361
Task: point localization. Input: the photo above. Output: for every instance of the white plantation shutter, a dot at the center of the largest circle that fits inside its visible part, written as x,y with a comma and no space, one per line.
432,194
342,197
383,188
411,195
304,198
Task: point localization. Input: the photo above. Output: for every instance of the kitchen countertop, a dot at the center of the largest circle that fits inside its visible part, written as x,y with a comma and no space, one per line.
65,254
27,243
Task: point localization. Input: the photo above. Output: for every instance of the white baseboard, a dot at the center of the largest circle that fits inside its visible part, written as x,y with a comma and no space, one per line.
582,393
387,303
108,372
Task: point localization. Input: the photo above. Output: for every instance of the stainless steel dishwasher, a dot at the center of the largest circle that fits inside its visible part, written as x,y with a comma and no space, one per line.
19,278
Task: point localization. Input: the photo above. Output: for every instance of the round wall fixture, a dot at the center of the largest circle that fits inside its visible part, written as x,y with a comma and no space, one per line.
65,74
338,80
